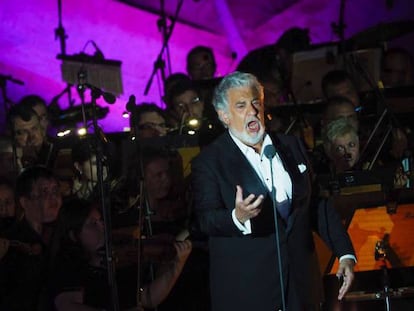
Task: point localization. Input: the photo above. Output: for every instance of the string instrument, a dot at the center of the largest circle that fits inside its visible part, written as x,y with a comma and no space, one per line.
21,247
156,249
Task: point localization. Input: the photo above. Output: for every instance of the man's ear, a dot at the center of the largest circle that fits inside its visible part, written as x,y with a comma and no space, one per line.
223,116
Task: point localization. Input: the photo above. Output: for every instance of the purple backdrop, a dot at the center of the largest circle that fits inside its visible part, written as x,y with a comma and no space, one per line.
28,47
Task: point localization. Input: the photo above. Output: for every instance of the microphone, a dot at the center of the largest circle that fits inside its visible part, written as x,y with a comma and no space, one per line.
269,152
108,97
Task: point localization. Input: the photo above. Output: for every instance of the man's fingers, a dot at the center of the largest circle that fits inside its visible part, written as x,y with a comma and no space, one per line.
247,201
258,201
344,288
239,194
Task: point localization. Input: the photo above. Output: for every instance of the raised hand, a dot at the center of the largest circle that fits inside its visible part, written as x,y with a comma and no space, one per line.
247,208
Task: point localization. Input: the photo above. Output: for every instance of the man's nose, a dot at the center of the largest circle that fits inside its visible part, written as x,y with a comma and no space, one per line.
348,156
251,109
30,138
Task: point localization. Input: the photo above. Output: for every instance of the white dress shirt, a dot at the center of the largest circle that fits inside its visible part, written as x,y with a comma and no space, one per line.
281,179
261,165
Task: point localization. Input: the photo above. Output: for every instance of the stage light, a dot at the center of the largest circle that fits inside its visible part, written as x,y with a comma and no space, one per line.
63,133
193,123
82,131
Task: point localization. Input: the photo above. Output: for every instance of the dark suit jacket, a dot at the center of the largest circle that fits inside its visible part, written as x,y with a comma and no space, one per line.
243,269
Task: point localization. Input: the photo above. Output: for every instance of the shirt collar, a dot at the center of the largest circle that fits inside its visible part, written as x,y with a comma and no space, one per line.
247,149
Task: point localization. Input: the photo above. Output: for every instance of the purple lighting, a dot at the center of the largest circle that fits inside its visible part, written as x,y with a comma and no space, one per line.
28,48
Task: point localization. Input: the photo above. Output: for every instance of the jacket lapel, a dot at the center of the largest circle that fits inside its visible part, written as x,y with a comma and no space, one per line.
243,173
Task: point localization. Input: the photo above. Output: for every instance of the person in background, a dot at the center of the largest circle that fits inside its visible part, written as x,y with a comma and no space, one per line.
78,275
170,82
340,83
32,147
190,114
23,270
186,104
201,63
151,121
341,144
397,68
38,104
7,206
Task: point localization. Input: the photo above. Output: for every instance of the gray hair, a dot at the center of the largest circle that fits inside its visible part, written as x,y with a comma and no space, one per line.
339,128
236,79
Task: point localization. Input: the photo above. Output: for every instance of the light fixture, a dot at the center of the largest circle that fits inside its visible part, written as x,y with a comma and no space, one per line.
63,133
82,131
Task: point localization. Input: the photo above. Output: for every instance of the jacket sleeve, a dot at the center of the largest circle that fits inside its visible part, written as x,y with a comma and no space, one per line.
331,229
212,216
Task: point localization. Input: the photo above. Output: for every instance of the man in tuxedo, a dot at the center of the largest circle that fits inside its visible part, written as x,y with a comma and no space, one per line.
232,185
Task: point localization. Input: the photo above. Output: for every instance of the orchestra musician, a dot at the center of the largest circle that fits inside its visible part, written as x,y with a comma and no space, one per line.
32,146
79,278
23,270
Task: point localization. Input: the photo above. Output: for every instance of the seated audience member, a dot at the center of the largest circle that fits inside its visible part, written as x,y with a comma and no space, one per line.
201,63
150,121
38,104
23,270
79,278
32,147
340,83
397,68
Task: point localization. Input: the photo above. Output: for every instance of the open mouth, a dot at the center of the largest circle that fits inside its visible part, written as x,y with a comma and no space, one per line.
253,126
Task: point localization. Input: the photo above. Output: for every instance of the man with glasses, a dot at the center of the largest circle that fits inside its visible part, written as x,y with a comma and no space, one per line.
23,270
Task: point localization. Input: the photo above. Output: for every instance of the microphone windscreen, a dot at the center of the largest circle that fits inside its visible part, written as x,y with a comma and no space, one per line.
109,98
269,151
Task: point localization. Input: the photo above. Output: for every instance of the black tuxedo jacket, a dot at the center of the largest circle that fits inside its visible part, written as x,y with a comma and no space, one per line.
244,268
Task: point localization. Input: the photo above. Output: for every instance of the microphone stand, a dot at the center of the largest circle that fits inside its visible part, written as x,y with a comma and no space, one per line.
7,106
103,188
167,32
60,34
381,253
270,156
143,202
382,104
